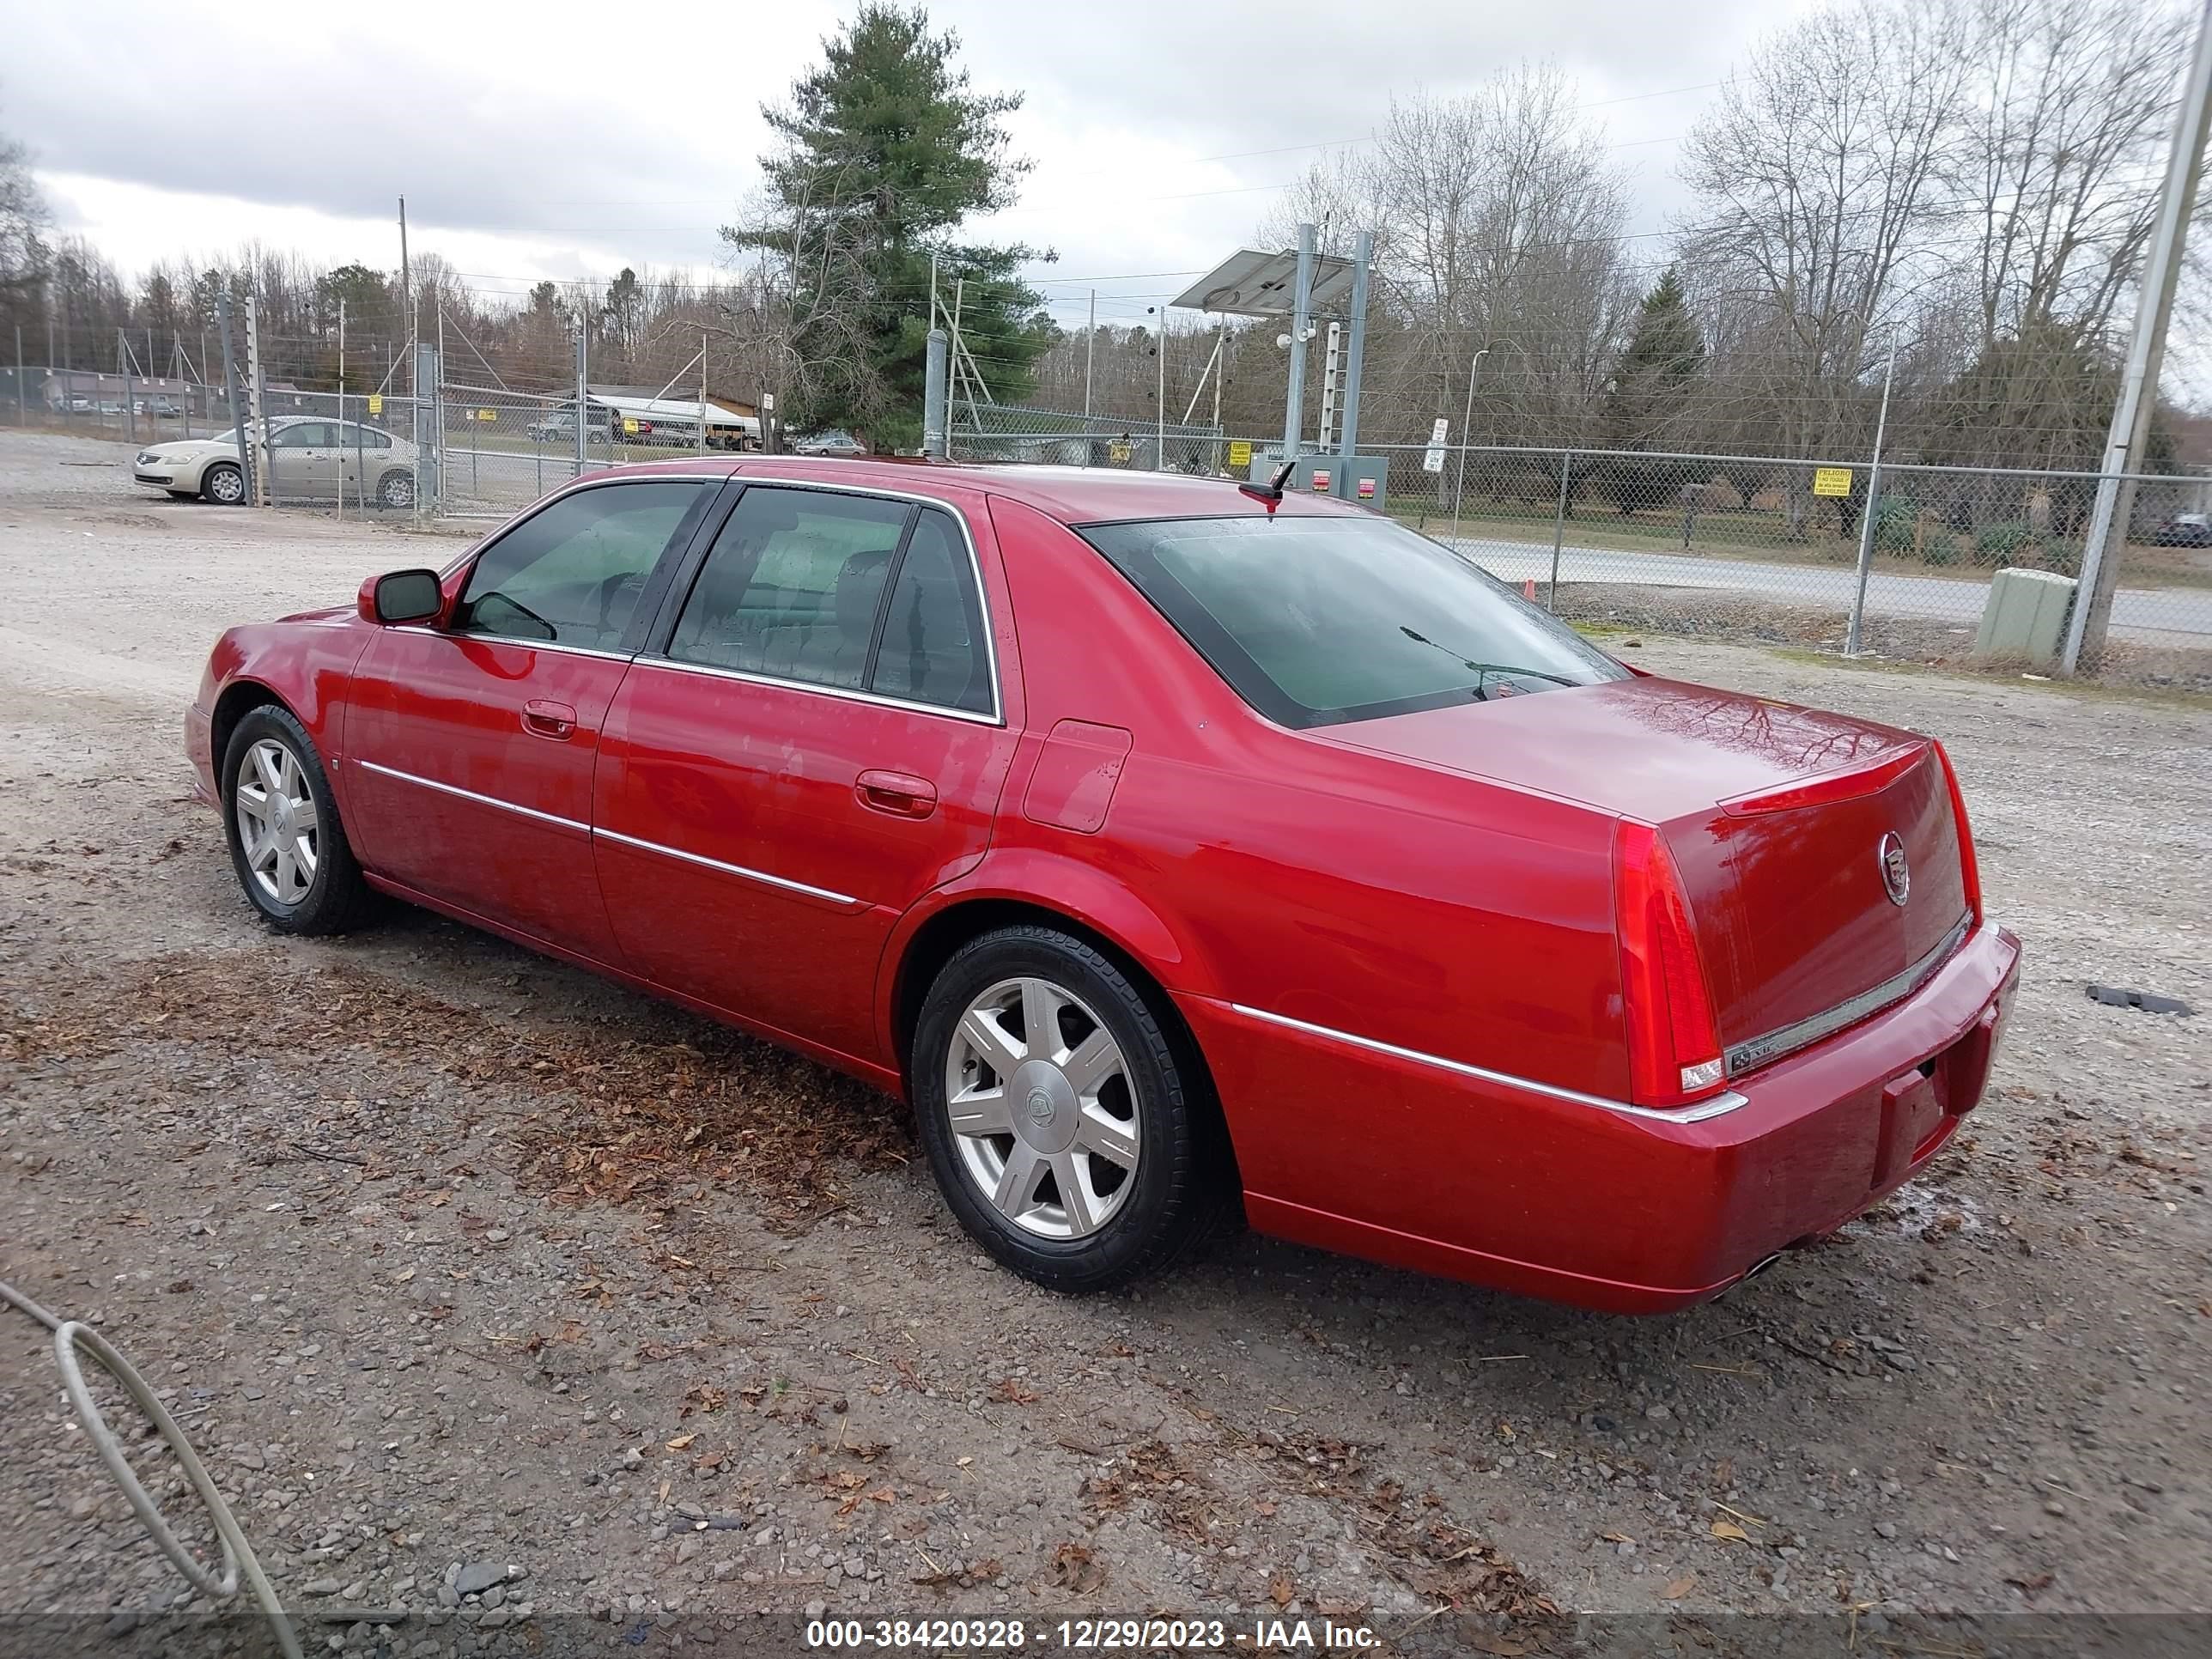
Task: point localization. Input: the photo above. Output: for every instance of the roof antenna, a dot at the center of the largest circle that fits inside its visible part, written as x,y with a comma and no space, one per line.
1271,491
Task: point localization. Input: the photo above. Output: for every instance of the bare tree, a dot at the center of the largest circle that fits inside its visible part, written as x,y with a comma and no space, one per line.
1818,179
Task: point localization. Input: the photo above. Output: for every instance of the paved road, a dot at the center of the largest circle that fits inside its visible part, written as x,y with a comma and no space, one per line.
2162,616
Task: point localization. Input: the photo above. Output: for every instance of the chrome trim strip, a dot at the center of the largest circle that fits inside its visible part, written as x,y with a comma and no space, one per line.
1789,1039
1718,1106
471,794
739,870
974,717
508,639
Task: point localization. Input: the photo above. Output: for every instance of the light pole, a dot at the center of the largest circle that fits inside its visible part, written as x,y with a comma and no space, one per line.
1466,421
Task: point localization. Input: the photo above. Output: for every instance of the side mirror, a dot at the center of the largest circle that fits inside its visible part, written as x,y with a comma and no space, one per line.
401,595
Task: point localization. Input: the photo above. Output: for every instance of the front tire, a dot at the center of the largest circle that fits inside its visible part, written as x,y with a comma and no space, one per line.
287,845
223,484
1067,1129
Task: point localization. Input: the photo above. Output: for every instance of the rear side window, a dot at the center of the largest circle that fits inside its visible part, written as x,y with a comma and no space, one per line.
854,591
932,649
571,574
1318,621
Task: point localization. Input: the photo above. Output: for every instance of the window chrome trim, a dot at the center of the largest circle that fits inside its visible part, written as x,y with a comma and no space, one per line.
456,791
997,716
1802,1034
974,717
509,638
1718,1106
738,869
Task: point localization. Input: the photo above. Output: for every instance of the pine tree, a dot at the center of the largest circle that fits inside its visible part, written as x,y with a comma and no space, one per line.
1650,386
887,152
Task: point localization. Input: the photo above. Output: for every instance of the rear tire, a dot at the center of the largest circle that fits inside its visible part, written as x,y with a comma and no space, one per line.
223,484
396,490
280,822
1107,1106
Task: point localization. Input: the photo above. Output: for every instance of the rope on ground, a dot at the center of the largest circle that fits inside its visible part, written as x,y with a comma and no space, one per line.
237,1557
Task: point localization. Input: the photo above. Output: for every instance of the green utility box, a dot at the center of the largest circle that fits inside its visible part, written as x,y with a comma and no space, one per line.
2025,616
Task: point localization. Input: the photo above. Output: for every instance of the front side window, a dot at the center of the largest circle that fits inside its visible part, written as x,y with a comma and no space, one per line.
1318,621
572,574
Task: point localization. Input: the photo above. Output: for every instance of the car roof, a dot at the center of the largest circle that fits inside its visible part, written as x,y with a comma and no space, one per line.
1072,494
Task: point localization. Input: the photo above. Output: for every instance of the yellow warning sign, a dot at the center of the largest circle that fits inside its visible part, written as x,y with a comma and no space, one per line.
376,403
1831,481
486,414
1119,453
1240,455
629,426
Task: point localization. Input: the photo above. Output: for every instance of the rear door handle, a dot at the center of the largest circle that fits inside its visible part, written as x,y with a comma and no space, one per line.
545,719
897,794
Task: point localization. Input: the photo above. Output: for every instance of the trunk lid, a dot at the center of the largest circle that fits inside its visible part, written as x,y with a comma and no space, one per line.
1775,817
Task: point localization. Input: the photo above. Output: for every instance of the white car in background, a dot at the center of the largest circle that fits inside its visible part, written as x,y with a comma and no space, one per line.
309,460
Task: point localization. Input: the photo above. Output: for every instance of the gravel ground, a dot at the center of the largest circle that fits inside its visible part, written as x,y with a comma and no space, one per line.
512,1308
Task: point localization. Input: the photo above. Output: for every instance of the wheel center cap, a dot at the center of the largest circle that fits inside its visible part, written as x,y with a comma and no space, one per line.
1045,1108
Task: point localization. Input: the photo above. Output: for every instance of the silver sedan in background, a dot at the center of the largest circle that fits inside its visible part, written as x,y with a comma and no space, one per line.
309,460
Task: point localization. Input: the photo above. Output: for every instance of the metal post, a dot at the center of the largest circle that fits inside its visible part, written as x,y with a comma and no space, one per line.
1160,397
1301,320
256,402
934,397
1867,518
702,391
184,383
582,363
1465,437
1220,374
341,430
1558,530
22,382
130,397
1328,384
1355,362
2131,415
230,391
1089,349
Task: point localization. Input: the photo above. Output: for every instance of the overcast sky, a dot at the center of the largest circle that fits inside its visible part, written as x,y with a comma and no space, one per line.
565,141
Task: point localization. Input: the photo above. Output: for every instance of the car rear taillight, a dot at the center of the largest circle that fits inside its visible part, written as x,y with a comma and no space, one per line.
1969,871
1673,1047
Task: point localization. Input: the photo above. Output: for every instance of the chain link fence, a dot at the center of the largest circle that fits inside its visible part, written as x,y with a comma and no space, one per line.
1008,432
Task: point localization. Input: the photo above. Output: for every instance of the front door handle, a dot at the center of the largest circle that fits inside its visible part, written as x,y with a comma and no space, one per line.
897,794
543,718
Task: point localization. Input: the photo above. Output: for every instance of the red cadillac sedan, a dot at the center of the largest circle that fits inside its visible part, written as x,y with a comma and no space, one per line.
1170,847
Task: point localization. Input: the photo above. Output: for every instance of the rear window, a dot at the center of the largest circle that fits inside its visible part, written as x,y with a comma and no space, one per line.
1319,621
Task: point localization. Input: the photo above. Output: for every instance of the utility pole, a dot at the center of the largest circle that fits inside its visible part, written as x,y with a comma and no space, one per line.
934,398
1089,350
703,392
2131,415
1301,324
407,307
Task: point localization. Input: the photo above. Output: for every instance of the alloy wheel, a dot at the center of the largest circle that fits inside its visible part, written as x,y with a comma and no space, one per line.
226,486
278,826
1043,1115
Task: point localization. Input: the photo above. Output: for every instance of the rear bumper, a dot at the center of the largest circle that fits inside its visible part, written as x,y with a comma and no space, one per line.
1406,1161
